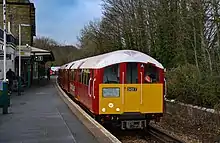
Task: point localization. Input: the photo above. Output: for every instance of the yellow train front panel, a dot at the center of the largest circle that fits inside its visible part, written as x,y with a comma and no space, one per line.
121,98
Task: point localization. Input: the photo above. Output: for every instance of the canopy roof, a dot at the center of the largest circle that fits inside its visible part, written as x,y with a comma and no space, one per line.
41,52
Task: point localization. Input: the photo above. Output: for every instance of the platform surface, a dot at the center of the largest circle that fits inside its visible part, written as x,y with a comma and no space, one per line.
41,116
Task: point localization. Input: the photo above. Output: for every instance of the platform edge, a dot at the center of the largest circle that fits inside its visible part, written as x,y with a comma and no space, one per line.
80,113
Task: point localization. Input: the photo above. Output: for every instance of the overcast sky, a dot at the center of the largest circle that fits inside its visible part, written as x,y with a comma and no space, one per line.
62,20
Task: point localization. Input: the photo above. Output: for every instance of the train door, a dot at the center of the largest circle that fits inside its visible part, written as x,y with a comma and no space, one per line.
152,89
132,89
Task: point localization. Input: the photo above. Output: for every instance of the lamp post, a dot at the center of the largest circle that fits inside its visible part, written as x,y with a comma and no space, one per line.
19,50
4,23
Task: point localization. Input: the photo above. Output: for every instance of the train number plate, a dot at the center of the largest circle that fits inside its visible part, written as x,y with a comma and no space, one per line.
133,124
131,89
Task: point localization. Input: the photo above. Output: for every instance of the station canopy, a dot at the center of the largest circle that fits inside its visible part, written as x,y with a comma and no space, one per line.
41,53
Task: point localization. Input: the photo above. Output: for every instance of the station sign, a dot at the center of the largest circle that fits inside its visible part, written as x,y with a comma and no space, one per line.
24,53
39,58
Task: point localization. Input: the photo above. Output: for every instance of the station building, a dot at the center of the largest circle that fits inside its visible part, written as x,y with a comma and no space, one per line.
33,59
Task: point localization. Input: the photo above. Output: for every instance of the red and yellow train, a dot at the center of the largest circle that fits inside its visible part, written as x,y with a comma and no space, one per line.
125,87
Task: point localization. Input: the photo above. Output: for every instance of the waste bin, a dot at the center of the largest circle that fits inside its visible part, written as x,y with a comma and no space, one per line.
4,97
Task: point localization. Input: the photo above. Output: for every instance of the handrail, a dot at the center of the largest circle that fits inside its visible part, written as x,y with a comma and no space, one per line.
89,88
93,88
123,81
165,88
141,87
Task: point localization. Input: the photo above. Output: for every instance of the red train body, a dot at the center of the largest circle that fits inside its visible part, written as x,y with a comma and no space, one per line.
115,87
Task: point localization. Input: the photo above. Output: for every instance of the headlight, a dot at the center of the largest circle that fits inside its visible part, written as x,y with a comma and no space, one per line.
110,92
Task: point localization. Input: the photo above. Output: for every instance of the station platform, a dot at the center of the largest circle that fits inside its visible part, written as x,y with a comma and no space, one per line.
39,115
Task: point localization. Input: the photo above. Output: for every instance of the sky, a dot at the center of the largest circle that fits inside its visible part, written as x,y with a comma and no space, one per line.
62,20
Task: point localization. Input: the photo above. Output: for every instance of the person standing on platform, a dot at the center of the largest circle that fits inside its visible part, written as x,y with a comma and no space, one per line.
10,76
48,73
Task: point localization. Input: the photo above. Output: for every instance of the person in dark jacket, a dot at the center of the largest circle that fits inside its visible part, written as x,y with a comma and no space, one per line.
10,76
48,73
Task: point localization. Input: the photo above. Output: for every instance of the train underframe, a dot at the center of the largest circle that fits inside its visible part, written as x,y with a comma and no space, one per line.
129,120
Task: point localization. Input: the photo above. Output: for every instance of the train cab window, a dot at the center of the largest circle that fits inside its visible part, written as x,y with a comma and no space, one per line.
152,72
132,73
111,74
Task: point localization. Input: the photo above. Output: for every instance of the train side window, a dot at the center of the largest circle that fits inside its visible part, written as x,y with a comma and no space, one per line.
70,75
83,77
152,72
73,75
87,77
111,74
80,76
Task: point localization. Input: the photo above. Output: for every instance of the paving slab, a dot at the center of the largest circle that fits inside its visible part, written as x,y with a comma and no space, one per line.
41,116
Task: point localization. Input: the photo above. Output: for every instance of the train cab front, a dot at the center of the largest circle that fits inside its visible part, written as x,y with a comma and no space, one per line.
128,97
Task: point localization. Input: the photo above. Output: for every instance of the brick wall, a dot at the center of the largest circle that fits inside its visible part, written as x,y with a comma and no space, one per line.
20,12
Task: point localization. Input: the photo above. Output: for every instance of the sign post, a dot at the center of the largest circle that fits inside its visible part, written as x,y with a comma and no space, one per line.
19,63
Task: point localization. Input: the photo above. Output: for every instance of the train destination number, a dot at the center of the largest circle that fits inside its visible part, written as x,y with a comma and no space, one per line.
131,89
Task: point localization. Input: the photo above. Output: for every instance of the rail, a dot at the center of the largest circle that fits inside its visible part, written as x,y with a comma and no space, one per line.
161,136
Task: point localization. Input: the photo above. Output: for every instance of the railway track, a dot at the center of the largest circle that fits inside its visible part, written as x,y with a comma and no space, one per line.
152,135
161,136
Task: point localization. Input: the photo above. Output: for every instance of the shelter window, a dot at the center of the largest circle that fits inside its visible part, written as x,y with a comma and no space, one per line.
111,74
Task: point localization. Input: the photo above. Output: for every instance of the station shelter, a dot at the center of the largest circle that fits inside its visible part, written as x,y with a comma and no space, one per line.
33,62
39,58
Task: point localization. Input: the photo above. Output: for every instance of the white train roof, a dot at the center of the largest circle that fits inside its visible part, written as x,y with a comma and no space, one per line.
78,63
116,57
69,65
63,66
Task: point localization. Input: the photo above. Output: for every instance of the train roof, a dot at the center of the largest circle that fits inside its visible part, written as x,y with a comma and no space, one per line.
63,66
69,65
116,57
78,63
